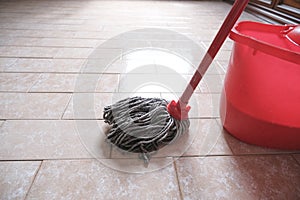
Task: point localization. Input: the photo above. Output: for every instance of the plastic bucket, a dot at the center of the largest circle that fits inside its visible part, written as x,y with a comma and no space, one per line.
260,102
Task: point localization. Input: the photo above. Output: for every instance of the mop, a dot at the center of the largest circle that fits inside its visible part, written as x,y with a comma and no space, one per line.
144,125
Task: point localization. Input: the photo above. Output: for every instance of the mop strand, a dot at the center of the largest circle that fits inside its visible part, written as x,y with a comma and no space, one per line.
142,125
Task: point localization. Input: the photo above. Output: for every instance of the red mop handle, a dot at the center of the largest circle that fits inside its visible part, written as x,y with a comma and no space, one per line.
180,109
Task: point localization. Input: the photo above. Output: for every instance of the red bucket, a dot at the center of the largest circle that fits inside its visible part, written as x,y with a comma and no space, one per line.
260,102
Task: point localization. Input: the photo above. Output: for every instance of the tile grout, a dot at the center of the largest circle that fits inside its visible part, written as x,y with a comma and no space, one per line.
66,107
222,128
173,157
37,79
33,180
177,179
86,119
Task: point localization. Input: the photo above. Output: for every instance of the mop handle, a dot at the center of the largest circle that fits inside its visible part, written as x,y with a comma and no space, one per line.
219,39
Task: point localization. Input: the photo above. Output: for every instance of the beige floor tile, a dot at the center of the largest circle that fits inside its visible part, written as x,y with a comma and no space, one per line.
105,83
76,83
95,35
152,82
13,51
106,53
17,82
208,139
55,83
138,65
123,65
226,46
87,105
172,44
33,105
16,178
121,42
43,21
49,42
223,65
212,84
250,177
42,139
207,34
215,69
40,26
104,66
92,135
176,61
6,62
46,65
223,55
19,26
91,180
81,53
175,66
19,41
136,165
37,33
208,105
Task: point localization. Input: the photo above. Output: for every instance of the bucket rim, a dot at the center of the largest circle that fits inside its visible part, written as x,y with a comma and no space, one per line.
265,47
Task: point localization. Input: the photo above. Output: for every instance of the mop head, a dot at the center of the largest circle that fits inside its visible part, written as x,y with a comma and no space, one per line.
142,125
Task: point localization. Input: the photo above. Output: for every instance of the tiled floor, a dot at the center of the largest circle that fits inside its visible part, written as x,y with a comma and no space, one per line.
52,97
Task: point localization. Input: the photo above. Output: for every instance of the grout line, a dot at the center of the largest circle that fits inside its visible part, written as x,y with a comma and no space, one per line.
219,123
65,109
74,119
2,122
222,67
94,38
40,46
48,29
41,58
21,160
61,72
177,179
42,119
34,178
46,159
240,155
93,73
89,92
33,57
52,119
35,82
45,23
126,158
45,92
